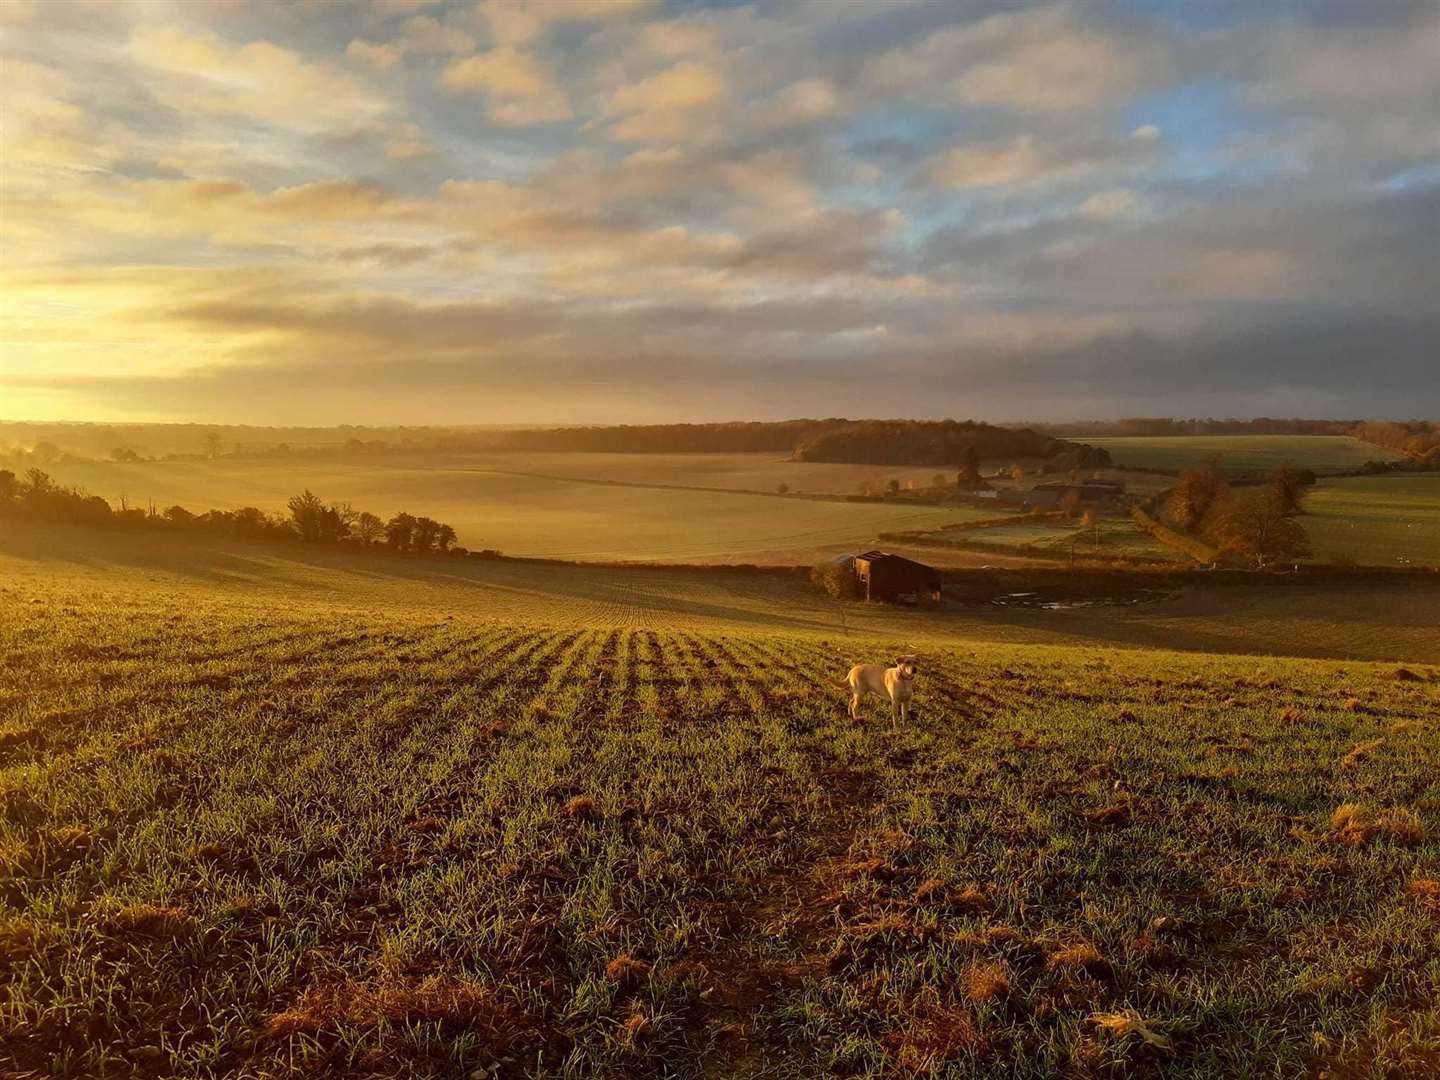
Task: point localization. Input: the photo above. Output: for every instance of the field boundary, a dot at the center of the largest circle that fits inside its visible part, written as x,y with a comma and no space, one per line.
1198,551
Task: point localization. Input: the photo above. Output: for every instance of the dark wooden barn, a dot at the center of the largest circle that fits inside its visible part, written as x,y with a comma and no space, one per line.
883,576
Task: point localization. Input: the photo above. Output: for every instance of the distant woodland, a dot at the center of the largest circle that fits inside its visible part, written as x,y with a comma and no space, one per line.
865,442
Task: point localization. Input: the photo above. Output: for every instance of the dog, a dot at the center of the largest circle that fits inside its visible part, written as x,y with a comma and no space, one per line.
897,683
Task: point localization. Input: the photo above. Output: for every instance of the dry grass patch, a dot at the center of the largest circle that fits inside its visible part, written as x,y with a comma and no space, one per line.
1361,751
149,920
1356,823
1426,893
1081,956
582,808
626,971
930,1036
989,980
453,1003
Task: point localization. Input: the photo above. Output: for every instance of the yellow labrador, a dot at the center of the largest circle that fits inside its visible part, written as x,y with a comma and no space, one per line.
897,683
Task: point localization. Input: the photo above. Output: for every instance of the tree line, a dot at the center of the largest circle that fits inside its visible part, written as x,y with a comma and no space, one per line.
1255,524
308,518
943,442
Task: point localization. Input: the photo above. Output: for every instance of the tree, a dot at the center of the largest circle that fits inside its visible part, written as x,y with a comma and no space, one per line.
212,445
1290,483
1195,495
425,534
892,486
178,515
968,479
124,454
1256,526
37,484
367,528
307,512
9,486
400,532
444,537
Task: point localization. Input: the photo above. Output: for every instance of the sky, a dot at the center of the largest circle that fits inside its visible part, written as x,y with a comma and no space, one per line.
582,211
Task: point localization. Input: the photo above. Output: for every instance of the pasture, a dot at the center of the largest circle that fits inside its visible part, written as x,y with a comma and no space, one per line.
295,826
1376,520
515,505
1242,454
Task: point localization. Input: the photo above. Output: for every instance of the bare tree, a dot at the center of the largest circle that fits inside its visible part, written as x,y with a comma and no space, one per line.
367,528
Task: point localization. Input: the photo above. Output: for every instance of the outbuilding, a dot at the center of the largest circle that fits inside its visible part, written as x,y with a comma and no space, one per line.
881,575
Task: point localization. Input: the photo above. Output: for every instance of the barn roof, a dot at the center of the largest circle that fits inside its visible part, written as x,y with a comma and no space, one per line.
878,556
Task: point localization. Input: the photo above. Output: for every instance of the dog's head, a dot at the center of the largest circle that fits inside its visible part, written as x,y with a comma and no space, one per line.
909,666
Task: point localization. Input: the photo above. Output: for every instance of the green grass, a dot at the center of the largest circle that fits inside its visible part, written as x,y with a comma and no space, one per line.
1243,453
1055,537
1376,520
281,826
546,516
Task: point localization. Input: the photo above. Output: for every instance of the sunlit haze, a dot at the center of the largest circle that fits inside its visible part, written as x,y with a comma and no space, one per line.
619,210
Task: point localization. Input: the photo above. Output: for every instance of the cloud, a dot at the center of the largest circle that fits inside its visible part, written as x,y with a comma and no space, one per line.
1048,61
801,102
834,204
425,35
1108,205
258,80
518,88
680,104
383,57
518,22
1026,159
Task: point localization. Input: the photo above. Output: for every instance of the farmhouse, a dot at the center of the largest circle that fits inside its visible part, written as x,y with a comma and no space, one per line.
883,576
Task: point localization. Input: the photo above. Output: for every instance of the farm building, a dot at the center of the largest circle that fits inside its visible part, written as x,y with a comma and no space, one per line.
883,576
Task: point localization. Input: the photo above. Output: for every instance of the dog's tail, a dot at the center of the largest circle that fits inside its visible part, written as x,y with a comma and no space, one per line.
843,684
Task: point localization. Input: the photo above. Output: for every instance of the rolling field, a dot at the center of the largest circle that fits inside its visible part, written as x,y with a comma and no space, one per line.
544,515
248,832
1243,453
47,565
1376,520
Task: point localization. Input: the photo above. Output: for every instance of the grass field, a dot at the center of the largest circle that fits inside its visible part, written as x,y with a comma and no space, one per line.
1376,520
311,821
1057,537
543,515
1241,454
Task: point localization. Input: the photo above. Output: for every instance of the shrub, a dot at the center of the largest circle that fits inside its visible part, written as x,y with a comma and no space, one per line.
837,578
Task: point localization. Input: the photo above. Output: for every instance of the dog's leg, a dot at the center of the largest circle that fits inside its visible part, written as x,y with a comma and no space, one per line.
854,706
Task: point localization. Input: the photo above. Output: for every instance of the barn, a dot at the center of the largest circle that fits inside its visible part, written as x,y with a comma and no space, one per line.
881,575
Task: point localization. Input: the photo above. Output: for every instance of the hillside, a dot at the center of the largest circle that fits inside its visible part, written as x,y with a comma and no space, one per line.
1367,618
278,818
